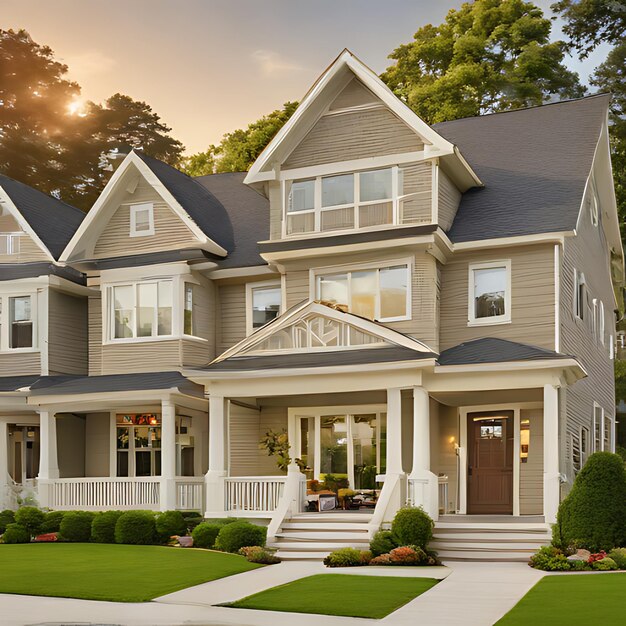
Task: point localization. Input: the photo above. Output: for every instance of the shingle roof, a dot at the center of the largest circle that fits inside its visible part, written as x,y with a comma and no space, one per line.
53,221
249,214
534,164
13,383
14,271
202,206
492,350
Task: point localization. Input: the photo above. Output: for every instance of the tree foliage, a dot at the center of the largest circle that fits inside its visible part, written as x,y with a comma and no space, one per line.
239,150
490,55
49,141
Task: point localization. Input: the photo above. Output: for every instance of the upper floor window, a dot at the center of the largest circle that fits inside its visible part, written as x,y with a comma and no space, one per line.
580,295
347,201
9,243
608,434
377,293
190,317
141,310
489,293
598,417
16,322
142,220
264,304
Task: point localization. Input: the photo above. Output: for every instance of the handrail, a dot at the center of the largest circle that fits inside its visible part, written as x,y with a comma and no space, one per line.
391,485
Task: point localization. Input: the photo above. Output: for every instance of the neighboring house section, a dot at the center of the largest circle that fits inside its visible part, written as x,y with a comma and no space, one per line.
427,312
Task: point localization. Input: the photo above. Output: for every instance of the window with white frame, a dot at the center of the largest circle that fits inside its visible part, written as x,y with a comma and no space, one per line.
607,437
584,445
190,316
141,310
142,220
576,453
601,322
17,322
10,243
598,417
380,293
580,295
489,293
264,304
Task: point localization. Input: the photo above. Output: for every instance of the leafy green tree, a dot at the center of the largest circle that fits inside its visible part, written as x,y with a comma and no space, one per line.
238,150
487,56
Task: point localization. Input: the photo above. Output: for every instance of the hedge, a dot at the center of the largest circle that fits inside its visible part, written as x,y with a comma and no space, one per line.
31,518
170,523
76,526
6,517
52,522
233,537
103,526
16,533
205,534
136,527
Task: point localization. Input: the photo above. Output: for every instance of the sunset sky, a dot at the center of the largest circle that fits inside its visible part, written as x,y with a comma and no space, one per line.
211,66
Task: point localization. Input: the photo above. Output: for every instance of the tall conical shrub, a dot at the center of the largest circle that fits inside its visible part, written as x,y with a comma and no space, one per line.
593,515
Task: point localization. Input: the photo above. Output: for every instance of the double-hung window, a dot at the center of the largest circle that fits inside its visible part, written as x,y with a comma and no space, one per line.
377,293
580,295
489,293
141,220
190,317
141,310
607,440
264,303
16,322
598,417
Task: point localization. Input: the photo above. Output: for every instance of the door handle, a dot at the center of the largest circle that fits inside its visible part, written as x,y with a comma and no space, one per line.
469,471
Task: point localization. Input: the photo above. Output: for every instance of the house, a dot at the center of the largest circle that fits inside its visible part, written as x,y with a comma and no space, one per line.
428,311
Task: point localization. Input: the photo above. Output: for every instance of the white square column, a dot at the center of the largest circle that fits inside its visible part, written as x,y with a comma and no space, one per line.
168,456
48,459
551,474
214,478
394,432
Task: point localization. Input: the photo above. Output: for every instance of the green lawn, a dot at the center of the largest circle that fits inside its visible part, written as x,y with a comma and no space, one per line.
110,572
571,599
339,594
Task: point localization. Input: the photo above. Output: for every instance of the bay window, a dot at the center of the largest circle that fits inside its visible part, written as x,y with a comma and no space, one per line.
489,293
374,293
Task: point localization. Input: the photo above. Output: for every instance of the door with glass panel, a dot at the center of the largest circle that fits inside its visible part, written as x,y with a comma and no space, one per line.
138,437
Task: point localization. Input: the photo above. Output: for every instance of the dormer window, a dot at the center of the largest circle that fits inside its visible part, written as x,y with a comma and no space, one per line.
142,220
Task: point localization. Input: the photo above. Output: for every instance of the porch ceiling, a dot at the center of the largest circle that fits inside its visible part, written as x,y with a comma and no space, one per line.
498,396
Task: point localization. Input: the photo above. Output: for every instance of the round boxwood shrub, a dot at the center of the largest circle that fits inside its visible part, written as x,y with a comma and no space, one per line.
76,526
6,517
103,526
619,556
136,527
52,522
233,537
170,523
205,534
606,564
344,557
31,518
593,515
16,533
412,526
192,519
382,542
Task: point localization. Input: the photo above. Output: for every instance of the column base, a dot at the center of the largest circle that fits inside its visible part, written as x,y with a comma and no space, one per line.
168,494
214,484
424,492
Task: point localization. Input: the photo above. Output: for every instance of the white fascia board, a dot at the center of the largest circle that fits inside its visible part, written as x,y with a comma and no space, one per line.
521,240
5,199
241,272
165,270
541,364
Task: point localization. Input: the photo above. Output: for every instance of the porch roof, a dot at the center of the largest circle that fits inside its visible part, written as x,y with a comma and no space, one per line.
494,350
149,381
10,384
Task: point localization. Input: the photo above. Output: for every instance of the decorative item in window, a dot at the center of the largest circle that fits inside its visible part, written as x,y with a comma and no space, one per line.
524,440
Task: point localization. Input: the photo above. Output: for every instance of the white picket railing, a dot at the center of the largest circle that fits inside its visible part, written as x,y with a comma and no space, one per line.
190,494
258,494
103,493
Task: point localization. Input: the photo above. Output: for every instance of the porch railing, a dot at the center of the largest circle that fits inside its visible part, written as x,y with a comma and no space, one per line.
103,493
190,494
256,494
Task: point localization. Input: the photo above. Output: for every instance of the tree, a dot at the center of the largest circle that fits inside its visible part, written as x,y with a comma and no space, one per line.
490,55
238,150
591,22
51,143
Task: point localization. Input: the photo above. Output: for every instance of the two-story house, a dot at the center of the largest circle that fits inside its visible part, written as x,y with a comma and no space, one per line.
428,311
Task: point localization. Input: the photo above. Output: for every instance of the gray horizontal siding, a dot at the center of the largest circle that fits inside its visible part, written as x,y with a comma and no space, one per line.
67,334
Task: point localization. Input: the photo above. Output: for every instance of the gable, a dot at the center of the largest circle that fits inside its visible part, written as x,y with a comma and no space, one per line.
355,93
16,245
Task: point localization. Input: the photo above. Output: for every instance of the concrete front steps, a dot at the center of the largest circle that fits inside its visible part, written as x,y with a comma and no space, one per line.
312,536
489,538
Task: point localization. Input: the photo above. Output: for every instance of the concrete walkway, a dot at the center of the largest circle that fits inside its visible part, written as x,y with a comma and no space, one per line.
470,594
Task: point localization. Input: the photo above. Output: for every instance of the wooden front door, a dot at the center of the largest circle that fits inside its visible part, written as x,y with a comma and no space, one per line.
490,463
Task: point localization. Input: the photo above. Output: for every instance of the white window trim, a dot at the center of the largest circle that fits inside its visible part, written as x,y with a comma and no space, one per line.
578,305
377,265
472,320
584,454
594,423
601,322
12,238
5,316
136,208
266,284
594,205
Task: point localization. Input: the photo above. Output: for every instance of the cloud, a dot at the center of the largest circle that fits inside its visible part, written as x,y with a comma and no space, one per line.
89,63
271,63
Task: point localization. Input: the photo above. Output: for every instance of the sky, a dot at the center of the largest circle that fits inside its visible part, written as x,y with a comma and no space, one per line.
208,67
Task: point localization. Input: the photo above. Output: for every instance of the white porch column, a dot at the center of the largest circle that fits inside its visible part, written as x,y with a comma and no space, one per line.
168,456
214,479
551,476
4,464
48,459
423,484
394,432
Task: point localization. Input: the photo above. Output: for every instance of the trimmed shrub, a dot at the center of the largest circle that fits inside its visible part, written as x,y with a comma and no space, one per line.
412,526
52,522
76,526
344,557
192,520
31,518
103,526
550,559
257,554
136,527
593,515
6,517
382,542
381,559
606,564
233,537
619,556
16,533
205,534
170,523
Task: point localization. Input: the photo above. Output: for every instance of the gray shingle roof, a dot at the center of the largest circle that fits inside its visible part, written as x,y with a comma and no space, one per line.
492,350
13,383
533,162
53,221
249,214
14,271
202,206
